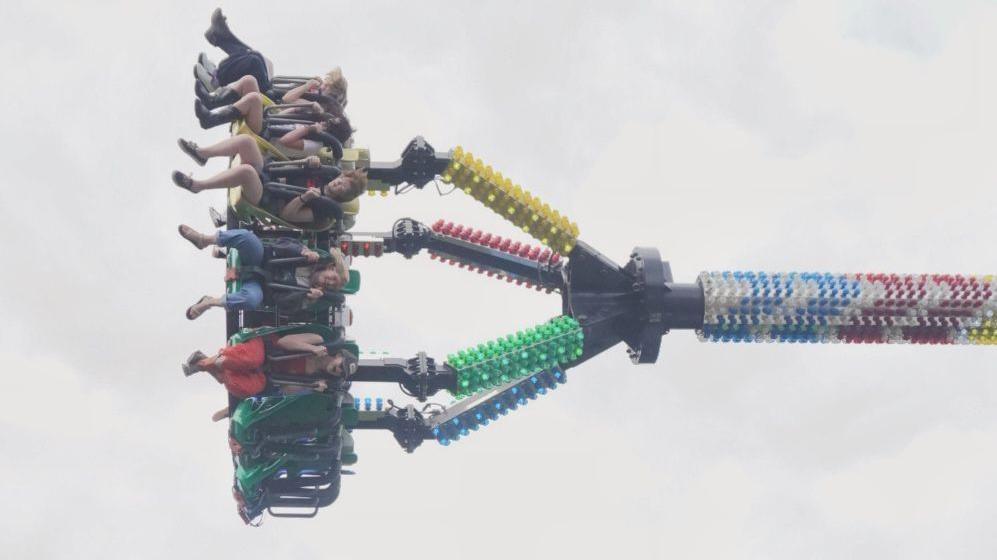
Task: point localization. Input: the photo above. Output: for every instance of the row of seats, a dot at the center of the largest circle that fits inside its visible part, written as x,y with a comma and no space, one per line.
289,440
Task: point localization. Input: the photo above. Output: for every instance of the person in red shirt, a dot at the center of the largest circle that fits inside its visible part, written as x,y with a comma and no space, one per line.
240,367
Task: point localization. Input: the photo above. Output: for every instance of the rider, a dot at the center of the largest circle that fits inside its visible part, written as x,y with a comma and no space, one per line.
312,279
253,173
329,91
243,60
250,108
240,367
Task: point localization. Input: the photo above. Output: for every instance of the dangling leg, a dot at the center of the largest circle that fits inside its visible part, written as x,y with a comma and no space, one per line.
198,239
196,362
249,107
243,175
202,305
247,298
246,242
219,35
212,99
245,85
240,145
226,95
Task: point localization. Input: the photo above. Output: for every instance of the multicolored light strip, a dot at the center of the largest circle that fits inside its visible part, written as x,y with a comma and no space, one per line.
511,201
501,404
852,308
501,361
542,256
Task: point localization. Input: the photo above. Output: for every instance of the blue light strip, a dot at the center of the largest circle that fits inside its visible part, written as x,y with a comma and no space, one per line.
872,308
499,405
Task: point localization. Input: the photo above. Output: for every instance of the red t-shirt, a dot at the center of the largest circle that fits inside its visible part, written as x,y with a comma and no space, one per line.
241,370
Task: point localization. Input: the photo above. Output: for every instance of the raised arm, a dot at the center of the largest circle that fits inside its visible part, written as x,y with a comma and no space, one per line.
295,93
296,138
296,209
304,342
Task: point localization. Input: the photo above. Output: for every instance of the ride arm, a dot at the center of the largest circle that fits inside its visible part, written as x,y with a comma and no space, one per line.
408,237
407,424
419,164
411,426
420,376
491,378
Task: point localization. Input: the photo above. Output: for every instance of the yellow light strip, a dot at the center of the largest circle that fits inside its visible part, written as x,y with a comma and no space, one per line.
511,201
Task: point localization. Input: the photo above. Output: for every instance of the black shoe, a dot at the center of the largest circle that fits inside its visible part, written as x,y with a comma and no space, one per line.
219,34
212,33
217,98
201,91
218,19
185,182
190,149
210,118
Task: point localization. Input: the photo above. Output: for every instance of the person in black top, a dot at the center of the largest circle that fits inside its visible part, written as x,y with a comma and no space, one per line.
243,60
309,190
244,76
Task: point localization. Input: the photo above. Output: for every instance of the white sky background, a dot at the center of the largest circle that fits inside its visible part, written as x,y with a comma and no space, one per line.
853,136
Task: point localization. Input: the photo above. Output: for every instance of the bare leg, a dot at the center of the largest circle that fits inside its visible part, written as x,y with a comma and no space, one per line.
244,85
205,303
241,175
241,145
220,415
251,107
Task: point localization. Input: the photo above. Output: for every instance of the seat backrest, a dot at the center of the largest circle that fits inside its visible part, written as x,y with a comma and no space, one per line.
327,333
255,417
353,285
351,207
249,478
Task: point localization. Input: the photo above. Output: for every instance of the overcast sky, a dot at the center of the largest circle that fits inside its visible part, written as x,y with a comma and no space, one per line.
852,136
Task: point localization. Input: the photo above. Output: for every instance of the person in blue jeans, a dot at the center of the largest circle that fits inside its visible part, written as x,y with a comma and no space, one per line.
315,278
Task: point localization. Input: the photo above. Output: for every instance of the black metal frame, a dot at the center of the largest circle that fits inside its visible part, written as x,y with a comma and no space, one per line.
419,164
636,303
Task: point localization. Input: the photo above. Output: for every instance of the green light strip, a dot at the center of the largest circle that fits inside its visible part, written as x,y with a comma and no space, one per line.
516,356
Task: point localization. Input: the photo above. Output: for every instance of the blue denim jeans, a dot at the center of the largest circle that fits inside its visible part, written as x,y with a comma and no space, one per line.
250,248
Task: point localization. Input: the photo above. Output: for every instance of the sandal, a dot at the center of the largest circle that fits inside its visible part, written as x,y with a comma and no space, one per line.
190,148
185,182
193,313
190,366
195,237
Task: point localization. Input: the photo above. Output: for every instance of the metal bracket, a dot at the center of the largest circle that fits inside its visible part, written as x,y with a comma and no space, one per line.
419,164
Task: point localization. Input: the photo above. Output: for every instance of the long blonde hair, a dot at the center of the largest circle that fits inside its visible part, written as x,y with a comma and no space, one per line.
336,85
338,262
